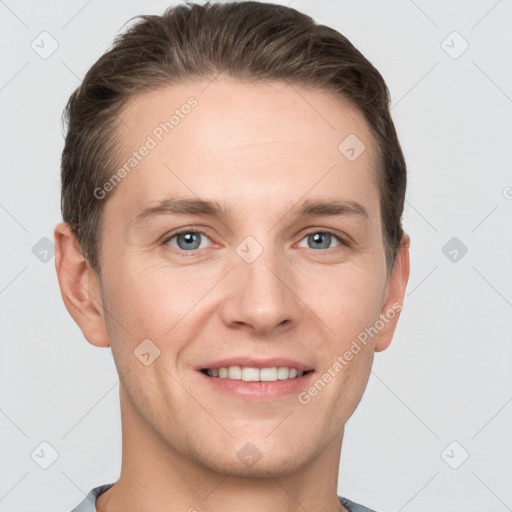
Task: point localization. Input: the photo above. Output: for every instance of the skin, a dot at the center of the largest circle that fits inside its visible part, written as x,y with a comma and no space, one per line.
259,150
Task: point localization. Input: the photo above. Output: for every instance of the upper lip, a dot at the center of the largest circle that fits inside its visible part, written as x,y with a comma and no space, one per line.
253,362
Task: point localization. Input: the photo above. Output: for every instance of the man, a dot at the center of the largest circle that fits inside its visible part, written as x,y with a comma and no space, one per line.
232,192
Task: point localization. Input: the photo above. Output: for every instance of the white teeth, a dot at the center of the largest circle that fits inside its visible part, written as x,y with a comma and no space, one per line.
249,374
235,372
283,373
268,374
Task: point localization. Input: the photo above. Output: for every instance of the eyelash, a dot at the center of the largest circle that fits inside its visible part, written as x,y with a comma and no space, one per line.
341,238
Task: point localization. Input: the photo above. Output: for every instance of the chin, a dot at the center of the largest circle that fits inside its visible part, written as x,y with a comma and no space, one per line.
259,458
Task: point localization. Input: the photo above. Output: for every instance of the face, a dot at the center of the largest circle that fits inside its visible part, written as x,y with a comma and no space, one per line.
245,247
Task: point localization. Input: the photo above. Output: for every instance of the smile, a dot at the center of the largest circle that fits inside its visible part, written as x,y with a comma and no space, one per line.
251,374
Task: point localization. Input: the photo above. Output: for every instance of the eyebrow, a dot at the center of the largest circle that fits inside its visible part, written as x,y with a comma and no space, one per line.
196,206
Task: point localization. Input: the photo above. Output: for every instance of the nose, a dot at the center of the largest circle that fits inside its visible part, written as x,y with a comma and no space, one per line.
260,296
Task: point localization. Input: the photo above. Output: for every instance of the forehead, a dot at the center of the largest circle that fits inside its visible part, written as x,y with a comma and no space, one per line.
229,138
249,112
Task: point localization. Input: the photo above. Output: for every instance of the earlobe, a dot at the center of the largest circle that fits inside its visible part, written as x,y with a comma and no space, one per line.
79,286
392,306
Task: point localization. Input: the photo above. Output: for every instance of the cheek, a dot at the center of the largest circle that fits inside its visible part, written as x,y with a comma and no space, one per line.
135,309
143,297
350,305
347,300
151,303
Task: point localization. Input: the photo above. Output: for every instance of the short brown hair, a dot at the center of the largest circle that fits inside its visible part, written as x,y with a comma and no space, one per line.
246,40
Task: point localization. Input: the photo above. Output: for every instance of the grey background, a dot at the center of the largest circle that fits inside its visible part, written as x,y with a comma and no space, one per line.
447,375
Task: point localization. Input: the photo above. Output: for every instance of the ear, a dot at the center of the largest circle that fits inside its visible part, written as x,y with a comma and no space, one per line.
79,286
394,295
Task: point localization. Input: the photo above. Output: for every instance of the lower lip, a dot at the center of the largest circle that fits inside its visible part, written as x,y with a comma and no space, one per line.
260,390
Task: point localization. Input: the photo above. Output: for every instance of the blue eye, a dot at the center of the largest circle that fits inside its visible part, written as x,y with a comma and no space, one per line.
187,240
321,240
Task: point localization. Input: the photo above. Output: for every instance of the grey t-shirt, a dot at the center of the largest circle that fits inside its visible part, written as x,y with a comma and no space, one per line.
89,503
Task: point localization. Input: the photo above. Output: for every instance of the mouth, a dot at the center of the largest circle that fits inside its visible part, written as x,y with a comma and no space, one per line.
253,374
258,380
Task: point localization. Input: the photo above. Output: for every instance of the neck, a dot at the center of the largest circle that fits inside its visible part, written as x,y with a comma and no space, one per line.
157,477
